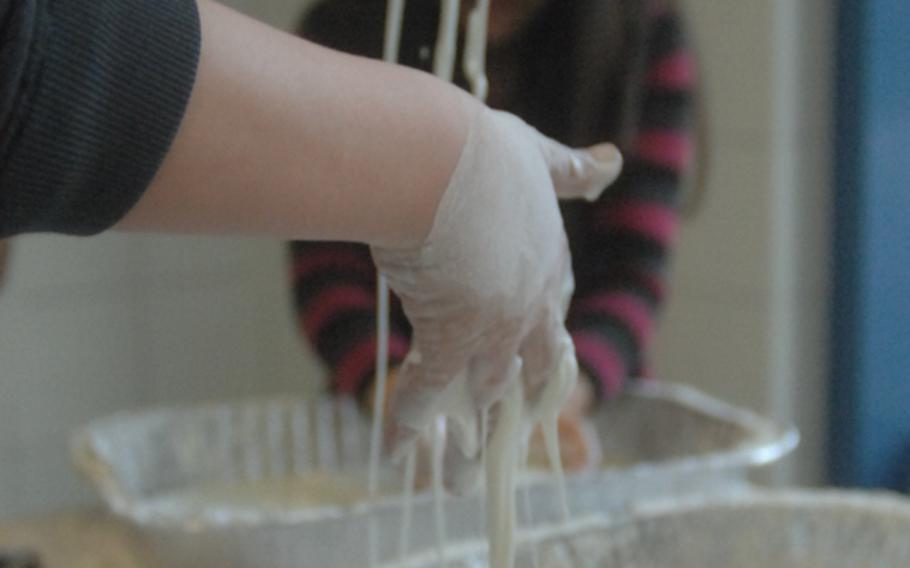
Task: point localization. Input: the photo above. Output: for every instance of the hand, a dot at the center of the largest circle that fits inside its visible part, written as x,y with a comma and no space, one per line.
575,447
578,444
488,290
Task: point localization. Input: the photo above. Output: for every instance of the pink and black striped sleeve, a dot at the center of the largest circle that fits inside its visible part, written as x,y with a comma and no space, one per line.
334,288
621,263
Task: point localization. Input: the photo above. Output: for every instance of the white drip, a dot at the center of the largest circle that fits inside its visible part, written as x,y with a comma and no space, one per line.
554,394
475,51
501,465
382,367
526,496
439,446
394,18
392,40
550,429
407,506
484,436
529,514
446,37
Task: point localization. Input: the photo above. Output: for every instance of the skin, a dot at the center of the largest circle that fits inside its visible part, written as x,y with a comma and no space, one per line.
280,145
508,18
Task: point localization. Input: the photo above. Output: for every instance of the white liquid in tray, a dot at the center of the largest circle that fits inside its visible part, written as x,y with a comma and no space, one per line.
313,490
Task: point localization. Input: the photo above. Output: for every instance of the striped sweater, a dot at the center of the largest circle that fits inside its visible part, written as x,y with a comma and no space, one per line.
620,244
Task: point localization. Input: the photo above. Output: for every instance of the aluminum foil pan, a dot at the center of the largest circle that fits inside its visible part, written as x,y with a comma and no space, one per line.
756,529
659,440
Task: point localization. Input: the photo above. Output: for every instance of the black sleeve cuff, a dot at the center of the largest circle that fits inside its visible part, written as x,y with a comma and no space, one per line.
91,96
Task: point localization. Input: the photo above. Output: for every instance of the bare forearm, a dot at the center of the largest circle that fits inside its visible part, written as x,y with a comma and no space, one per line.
285,138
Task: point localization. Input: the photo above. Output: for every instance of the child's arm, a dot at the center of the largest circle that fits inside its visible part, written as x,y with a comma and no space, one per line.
280,136
283,137
334,283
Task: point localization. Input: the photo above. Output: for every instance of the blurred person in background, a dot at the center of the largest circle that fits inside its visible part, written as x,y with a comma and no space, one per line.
579,71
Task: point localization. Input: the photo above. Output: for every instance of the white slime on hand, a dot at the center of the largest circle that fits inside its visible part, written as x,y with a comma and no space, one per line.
501,457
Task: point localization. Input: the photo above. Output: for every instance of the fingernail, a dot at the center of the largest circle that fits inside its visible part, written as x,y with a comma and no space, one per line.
609,162
605,153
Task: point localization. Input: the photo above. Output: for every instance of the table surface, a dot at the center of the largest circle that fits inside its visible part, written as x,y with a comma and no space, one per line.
74,540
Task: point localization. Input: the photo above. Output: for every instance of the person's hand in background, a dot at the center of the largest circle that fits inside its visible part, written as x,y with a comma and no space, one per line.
581,402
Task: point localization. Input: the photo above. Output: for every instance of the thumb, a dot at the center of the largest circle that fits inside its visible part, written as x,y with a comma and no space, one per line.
581,173
411,407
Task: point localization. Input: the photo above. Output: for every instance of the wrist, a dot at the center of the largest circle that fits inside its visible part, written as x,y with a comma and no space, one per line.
455,114
432,161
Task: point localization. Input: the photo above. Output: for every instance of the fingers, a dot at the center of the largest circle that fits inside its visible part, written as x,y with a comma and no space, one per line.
492,372
460,460
581,173
567,287
551,369
461,472
563,381
540,351
413,405
424,394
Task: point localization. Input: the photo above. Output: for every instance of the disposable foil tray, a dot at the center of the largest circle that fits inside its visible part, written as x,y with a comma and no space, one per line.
659,440
755,529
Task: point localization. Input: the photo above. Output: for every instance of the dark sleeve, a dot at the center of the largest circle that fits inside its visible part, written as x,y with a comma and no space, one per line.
91,95
630,231
334,284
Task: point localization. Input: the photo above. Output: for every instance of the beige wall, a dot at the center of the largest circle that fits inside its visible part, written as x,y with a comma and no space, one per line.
747,318
92,326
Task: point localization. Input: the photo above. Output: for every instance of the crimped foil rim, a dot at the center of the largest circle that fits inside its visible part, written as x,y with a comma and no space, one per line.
763,442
